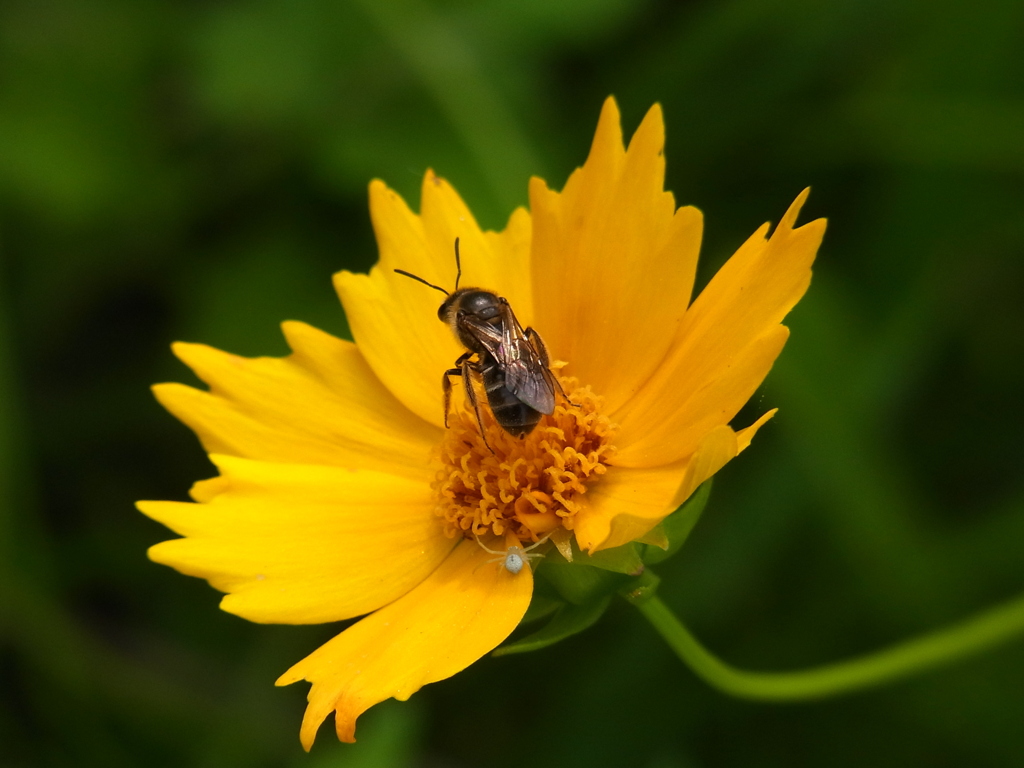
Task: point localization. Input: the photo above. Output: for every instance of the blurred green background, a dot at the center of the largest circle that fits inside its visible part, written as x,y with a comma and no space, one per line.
197,170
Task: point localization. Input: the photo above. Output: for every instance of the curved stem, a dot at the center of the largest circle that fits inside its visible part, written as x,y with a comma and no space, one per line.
945,646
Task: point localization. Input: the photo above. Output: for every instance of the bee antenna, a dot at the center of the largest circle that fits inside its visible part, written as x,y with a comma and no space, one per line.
458,264
420,279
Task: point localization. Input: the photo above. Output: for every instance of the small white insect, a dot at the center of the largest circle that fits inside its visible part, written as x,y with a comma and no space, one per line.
514,557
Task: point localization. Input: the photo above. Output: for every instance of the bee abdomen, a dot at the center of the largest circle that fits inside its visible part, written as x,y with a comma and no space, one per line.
511,413
514,416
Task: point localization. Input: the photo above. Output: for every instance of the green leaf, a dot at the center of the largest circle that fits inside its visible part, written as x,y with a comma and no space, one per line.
678,525
568,621
541,606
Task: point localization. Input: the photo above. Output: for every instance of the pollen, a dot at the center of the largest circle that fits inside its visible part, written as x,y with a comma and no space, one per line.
528,487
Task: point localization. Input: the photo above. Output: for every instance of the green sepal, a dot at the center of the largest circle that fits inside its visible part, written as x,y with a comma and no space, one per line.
577,583
567,621
642,588
624,559
678,525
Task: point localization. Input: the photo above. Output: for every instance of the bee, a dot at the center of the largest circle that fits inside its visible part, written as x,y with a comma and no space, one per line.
511,363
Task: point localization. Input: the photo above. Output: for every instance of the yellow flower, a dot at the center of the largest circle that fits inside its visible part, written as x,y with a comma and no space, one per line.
342,494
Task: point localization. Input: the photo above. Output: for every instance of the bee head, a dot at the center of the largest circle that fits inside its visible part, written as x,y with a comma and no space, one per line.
483,305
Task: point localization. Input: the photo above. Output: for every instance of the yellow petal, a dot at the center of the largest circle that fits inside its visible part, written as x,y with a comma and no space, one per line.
462,611
730,332
394,319
718,448
297,544
613,260
744,436
684,425
626,504
320,405
629,502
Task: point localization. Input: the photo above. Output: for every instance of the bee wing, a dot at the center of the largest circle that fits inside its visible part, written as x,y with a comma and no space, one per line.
490,336
525,375
530,384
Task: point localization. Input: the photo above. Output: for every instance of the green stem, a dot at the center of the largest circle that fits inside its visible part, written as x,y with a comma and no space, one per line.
945,646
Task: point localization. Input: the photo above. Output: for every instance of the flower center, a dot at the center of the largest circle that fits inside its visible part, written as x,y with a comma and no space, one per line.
527,487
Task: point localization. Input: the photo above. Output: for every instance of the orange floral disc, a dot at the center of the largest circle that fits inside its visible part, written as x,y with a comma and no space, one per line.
527,487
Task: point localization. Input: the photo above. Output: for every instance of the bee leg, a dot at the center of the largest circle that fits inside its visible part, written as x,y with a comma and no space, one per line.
446,387
538,343
467,381
446,384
